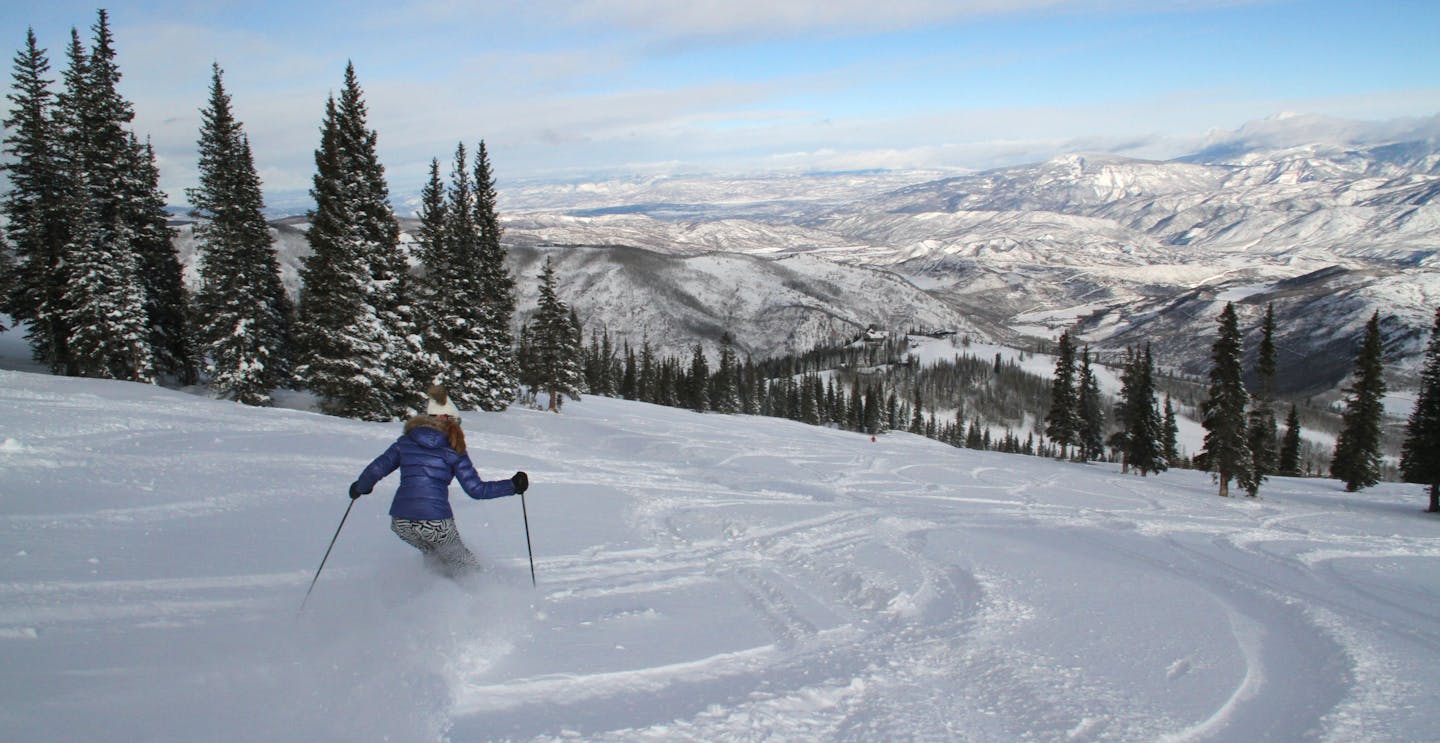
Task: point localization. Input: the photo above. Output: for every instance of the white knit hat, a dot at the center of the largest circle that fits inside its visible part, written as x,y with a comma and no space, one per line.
439,403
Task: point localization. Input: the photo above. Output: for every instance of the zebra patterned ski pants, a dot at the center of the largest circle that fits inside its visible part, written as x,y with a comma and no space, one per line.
440,543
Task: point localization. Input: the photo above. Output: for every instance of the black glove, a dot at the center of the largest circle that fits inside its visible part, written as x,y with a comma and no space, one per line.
355,490
521,481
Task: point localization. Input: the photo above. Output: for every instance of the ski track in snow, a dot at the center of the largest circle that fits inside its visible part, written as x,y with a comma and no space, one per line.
701,577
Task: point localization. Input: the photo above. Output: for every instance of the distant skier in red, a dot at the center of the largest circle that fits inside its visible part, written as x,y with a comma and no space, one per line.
429,455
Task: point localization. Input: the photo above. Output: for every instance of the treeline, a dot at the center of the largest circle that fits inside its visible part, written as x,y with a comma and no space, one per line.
867,386
874,384
89,264
1244,444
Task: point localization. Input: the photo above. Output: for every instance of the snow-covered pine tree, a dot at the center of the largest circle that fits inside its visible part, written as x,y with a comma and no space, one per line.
457,313
1420,456
1091,439
1357,449
497,389
353,325
167,302
1062,423
242,314
379,232
1261,424
35,207
1289,462
104,298
554,356
1227,447
427,292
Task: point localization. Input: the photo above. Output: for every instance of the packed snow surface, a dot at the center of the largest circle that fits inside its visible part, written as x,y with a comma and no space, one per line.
700,577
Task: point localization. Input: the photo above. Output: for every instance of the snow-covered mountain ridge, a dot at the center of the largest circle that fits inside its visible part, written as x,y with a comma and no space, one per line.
1122,250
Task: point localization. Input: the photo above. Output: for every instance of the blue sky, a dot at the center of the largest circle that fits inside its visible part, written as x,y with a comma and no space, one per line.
567,88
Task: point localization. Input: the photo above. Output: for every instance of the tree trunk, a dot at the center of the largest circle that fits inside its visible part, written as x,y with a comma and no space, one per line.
1224,485
554,401
1434,497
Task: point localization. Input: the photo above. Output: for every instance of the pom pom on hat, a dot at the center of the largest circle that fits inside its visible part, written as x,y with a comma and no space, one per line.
439,403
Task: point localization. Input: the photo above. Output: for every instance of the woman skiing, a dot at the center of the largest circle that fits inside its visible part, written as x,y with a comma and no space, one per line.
429,455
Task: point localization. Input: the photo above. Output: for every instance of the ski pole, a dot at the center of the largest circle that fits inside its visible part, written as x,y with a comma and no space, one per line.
327,553
526,514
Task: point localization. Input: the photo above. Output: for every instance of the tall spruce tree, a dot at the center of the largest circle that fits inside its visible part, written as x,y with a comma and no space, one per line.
1289,461
1062,423
1420,456
1227,446
1141,425
1357,449
35,206
725,396
554,356
1091,438
243,316
104,297
167,302
427,294
1148,452
456,299
1170,438
697,383
352,328
1261,423
497,388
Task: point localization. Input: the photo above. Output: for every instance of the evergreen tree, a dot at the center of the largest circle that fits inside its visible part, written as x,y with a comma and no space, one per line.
167,302
104,298
243,316
1289,464
1357,449
630,381
1227,448
1261,425
870,413
457,334
1062,423
697,395
353,325
1142,428
1148,452
1420,456
496,387
1170,439
35,208
726,382
555,355
427,296
810,404
647,377
1091,438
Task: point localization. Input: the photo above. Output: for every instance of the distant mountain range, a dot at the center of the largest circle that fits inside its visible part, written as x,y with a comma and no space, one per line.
1330,220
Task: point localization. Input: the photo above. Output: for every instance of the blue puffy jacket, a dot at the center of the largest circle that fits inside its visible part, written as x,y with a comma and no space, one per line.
427,464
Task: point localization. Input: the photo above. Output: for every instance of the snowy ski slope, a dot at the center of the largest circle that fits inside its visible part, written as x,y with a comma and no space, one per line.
701,577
